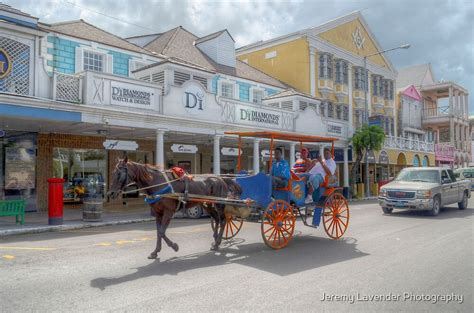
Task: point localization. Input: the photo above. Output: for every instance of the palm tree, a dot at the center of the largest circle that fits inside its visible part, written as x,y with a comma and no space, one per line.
364,139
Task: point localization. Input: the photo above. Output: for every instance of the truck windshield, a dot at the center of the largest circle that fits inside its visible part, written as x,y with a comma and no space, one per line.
419,176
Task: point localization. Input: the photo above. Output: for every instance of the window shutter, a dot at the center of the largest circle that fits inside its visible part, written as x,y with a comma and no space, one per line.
79,60
109,63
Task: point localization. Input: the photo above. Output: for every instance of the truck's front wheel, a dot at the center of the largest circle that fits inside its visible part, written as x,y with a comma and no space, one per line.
436,206
387,210
463,204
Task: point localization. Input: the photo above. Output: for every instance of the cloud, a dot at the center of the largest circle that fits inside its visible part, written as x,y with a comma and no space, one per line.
440,32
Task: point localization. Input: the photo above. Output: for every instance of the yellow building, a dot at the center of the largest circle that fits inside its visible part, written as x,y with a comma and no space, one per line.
327,62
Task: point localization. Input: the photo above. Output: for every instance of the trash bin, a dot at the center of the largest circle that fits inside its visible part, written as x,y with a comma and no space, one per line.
55,201
93,203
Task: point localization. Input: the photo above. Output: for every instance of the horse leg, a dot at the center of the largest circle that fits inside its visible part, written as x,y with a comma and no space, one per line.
222,222
166,221
215,217
159,222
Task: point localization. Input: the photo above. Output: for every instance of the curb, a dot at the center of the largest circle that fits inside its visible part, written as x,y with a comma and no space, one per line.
364,199
45,229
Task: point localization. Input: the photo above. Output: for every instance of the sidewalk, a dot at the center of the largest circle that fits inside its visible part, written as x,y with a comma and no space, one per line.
37,222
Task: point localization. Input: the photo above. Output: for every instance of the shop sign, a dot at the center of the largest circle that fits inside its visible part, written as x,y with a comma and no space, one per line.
131,95
231,151
371,156
334,129
179,148
193,98
383,157
120,145
250,115
5,64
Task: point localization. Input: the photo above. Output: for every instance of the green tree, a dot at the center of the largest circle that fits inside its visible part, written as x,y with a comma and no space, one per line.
364,139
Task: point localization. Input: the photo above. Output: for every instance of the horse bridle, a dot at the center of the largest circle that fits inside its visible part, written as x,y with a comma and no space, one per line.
123,178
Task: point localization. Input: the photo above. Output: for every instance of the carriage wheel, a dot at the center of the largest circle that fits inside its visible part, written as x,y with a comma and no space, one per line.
278,224
232,227
335,215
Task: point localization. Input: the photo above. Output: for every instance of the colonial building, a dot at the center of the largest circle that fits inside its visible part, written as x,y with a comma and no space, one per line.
445,114
74,97
327,62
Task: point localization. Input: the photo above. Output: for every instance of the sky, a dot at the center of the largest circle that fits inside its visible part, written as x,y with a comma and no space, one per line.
440,32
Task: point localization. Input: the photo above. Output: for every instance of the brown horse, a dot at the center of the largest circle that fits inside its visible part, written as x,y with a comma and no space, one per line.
143,176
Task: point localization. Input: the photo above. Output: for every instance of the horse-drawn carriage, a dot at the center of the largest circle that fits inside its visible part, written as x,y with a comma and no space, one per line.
276,209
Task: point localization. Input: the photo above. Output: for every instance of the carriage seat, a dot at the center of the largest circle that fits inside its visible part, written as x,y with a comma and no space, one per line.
293,177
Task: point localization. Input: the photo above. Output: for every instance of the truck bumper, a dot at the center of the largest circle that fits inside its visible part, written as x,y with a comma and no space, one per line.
412,204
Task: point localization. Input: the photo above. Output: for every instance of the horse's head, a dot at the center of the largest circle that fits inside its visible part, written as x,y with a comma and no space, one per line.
120,178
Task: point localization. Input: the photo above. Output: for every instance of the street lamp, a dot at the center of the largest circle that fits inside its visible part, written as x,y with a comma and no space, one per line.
366,113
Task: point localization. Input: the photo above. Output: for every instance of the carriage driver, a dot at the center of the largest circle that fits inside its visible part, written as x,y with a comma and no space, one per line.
321,169
280,170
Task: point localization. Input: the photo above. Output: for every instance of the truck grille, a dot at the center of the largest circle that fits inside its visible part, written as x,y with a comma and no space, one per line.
401,194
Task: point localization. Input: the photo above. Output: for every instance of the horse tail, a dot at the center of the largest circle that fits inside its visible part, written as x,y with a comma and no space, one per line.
233,187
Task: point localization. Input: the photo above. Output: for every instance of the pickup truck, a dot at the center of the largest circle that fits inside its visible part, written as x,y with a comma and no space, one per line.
424,188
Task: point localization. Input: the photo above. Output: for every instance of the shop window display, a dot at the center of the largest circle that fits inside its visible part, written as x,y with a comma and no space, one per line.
84,172
18,167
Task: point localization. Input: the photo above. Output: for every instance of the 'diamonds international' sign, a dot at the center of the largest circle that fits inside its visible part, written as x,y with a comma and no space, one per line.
262,117
130,95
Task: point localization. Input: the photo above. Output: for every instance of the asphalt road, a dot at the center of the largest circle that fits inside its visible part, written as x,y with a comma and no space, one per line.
405,261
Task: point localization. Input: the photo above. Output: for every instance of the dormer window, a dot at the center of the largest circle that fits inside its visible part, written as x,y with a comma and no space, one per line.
227,90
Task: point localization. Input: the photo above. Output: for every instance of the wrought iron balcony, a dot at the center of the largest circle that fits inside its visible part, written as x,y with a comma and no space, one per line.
408,144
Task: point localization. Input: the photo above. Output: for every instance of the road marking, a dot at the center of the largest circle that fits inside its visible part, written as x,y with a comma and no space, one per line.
103,244
27,248
8,257
121,242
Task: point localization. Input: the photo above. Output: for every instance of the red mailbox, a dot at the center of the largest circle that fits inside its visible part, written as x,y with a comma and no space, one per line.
55,201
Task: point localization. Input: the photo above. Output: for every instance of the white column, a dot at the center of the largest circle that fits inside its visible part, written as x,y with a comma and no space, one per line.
346,167
160,149
216,165
461,104
292,154
451,116
256,156
457,112
369,95
466,104
312,72
351,105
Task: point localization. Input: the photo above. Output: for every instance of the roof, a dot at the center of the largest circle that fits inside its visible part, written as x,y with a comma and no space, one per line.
179,43
6,7
143,40
290,92
82,29
174,61
283,136
412,75
213,35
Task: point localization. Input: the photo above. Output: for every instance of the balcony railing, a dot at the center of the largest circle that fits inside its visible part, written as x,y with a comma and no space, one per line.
444,151
435,112
67,88
408,144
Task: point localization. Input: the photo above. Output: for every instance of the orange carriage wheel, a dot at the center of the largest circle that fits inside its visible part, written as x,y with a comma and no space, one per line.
335,215
233,224
278,224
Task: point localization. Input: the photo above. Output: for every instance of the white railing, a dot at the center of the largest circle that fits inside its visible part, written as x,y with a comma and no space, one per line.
67,88
408,144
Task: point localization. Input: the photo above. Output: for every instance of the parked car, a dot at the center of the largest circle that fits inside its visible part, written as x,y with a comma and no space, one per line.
465,173
424,188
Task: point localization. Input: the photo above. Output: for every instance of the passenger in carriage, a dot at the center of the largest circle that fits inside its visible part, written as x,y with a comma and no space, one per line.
304,164
280,170
321,169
